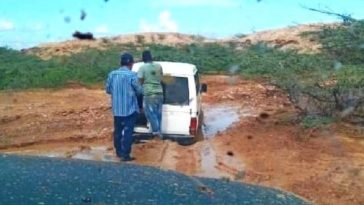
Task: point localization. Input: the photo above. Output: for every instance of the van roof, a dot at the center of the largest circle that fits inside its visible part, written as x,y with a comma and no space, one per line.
171,68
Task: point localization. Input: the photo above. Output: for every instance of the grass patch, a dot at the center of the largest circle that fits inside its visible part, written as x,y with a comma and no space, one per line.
313,121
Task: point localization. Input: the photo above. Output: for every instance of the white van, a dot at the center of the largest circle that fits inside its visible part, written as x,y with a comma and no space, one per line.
182,114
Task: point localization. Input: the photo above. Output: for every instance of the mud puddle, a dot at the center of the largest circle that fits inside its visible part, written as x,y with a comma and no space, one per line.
217,119
97,153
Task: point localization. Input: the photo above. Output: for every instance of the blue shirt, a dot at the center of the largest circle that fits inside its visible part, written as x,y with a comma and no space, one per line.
123,86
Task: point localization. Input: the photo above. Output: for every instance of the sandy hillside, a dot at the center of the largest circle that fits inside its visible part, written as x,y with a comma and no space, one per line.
69,47
284,38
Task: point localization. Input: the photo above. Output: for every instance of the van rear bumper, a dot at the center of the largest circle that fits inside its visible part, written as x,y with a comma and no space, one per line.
142,130
145,131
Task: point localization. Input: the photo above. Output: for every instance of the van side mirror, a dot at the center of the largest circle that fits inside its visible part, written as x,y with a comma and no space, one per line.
203,88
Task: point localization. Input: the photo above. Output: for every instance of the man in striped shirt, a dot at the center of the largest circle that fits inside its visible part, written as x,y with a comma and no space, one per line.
123,86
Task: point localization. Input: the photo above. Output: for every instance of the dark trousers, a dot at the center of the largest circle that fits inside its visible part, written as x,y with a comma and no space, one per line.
123,134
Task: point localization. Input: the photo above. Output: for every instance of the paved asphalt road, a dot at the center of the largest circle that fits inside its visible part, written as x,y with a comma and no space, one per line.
41,181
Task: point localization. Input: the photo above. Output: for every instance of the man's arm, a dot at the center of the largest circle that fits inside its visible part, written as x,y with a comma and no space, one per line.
141,75
137,87
161,71
108,85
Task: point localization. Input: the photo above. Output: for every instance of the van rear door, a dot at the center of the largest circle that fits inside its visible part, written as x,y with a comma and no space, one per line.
176,108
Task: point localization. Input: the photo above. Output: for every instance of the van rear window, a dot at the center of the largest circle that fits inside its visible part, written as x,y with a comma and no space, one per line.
175,90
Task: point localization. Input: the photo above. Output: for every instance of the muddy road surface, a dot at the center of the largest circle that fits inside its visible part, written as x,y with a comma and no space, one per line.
251,134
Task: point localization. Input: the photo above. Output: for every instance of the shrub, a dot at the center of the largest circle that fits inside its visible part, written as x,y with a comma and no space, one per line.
314,121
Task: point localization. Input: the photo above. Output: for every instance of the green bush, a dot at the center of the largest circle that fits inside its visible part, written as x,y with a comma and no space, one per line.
313,121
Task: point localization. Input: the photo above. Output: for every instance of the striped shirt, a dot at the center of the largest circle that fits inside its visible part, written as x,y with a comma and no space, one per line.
123,86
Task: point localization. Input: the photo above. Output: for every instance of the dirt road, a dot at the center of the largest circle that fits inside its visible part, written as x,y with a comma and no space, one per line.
251,132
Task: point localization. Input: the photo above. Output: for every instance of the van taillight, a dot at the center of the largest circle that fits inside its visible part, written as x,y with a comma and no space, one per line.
193,126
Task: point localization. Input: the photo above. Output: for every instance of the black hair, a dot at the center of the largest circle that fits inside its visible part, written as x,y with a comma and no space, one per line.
147,56
126,59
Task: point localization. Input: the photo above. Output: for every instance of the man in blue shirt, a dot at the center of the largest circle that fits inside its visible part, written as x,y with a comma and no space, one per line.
123,86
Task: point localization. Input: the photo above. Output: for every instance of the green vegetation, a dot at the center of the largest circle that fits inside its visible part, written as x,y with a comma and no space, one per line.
312,121
20,71
326,84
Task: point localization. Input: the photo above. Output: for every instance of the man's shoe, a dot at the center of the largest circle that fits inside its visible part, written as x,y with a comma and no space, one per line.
127,159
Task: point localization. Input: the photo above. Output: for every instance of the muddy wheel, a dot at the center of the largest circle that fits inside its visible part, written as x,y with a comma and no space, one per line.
187,141
201,120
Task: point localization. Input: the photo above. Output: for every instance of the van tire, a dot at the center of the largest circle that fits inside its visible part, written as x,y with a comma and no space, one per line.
187,141
201,119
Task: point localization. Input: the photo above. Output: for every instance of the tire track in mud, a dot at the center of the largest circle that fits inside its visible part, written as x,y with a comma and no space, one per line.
213,163
202,159
72,139
62,127
180,158
163,154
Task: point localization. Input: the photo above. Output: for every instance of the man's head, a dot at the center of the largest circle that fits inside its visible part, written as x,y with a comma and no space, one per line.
147,56
127,60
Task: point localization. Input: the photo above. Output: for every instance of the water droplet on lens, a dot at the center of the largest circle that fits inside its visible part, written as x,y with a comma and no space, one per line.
337,65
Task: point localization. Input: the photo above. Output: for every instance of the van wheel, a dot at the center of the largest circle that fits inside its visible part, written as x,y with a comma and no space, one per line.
201,120
187,141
